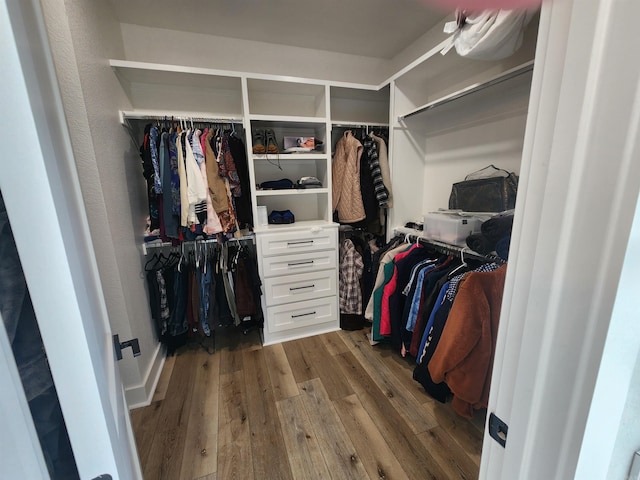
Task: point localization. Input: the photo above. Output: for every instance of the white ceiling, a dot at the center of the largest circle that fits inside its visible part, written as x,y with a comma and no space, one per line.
374,28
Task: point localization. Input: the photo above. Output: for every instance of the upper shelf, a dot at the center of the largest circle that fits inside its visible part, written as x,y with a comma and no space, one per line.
176,89
518,72
268,97
354,106
440,79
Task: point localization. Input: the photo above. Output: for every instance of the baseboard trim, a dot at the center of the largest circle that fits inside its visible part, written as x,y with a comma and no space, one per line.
140,395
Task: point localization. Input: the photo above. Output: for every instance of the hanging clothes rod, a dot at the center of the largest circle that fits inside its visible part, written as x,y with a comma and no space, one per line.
456,250
160,244
503,77
447,248
125,116
360,125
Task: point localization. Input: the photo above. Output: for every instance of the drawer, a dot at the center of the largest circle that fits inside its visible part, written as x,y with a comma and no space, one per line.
298,241
302,314
304,286
299,263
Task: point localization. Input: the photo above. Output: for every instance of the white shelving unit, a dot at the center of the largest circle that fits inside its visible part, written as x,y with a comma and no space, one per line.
451,116
293,258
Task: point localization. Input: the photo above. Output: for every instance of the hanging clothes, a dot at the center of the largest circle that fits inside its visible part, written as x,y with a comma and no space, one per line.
371,149
227,216
184,188
196,192
345,176
217,188
192,293
148,172
351,269
182,174
175,175
367,190
387,266
383,163
464,356
212,223
243,201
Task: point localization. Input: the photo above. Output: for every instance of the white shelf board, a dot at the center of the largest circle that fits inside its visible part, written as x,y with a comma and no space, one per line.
505,76
157,74
349,123
271,157
417,62
302,225
282,119
284,87
291,192
122,65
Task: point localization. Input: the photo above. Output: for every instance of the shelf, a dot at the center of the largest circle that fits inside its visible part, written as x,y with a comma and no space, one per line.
274,157
360,106
305,224
180,89
292,191
269,97
287,119
508,75
438,77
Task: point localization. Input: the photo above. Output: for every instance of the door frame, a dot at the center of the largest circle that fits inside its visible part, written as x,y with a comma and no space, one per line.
42,194
576,202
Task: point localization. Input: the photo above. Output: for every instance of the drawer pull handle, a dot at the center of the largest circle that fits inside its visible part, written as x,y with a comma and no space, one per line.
300,288
299,263
303,315
300,242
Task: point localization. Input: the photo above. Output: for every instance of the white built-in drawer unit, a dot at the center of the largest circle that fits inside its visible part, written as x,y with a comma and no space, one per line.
299,263
304,286
310,240
310,313
298,267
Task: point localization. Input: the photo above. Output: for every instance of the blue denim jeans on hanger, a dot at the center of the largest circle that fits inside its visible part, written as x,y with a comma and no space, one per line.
204,285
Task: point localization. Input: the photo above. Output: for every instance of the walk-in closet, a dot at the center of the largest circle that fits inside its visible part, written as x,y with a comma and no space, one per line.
262,262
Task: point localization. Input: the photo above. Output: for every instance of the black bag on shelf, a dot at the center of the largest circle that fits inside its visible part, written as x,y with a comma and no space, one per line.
492,194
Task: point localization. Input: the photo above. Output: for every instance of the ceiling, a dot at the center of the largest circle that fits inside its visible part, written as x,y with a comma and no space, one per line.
374,28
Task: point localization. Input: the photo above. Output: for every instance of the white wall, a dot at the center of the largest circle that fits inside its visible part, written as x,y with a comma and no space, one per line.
83,35
158,45
452,155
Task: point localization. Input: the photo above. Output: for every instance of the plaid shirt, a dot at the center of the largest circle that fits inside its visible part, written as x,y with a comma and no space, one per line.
351,269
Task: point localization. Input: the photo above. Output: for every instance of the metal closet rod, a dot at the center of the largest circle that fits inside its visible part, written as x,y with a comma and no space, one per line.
174,118
455,250
515,72
191,243
360,125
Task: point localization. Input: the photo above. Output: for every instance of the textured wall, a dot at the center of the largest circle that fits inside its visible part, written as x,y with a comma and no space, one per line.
83,35
158,45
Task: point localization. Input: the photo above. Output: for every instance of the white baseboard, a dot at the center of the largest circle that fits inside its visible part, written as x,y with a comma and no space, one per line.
140,395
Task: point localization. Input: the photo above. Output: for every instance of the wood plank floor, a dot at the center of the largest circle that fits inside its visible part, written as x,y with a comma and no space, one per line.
325,407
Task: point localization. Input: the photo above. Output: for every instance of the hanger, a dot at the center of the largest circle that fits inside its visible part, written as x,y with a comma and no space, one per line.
459,267
180,262
156,262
